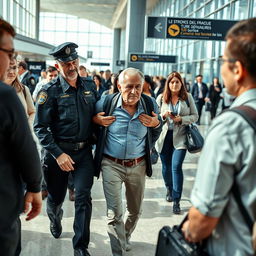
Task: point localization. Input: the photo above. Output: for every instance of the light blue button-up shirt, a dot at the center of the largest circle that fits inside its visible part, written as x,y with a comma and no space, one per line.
126,137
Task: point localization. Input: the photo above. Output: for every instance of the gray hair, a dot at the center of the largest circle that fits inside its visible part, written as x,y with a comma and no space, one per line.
132,72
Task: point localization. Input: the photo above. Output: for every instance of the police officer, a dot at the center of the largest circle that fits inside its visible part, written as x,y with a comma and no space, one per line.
63,125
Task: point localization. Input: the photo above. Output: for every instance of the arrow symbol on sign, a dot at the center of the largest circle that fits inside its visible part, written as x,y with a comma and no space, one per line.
158,27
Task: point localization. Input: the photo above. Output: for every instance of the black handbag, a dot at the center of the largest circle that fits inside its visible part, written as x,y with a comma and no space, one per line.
171,242
208,106
194,140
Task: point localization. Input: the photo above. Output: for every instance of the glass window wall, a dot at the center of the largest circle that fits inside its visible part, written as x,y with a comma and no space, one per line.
195,56
57,28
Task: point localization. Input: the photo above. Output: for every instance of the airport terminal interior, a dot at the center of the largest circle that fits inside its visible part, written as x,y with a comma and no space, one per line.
155,36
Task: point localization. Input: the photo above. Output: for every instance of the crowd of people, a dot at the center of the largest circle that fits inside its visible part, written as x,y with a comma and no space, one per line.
52,126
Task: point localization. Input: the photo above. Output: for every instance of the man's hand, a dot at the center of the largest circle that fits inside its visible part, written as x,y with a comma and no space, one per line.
35,200
65,162
102,120
149,121
198,226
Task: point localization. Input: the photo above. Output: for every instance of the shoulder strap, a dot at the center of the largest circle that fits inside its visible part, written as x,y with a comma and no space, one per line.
249,114
110,103
147,104
187,101
246,216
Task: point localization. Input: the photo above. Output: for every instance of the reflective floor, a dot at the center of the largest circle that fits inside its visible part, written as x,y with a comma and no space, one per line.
37,240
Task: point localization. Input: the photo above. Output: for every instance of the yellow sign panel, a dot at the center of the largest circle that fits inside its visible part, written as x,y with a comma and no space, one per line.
134,58
173,30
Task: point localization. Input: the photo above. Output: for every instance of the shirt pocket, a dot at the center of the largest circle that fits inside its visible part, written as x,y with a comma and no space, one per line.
89,99
67,108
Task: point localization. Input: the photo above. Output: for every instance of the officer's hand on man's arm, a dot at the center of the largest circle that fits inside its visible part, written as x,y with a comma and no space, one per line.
35,200
102,120
149,121
65,162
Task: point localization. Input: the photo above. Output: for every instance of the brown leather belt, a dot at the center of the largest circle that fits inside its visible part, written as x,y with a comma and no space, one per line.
125,162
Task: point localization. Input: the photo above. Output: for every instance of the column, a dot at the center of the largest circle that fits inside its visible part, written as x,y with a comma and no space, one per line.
135,24
37,19
116,49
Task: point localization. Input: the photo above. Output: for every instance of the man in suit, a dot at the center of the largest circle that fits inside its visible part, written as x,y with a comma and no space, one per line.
19,160
26,77
199,92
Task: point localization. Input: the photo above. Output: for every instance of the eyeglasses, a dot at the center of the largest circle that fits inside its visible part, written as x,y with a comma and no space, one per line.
11,53
222,60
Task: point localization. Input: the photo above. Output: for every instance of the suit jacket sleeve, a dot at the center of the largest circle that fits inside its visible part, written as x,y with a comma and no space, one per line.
156,131
20,145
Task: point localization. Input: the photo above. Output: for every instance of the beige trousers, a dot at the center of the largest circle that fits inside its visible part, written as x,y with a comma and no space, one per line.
114,175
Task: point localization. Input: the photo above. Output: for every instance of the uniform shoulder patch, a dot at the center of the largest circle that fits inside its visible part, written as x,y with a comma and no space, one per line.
42,97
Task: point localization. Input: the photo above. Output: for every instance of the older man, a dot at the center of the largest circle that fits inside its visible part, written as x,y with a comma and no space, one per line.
132,126
228,157
19,160
63,124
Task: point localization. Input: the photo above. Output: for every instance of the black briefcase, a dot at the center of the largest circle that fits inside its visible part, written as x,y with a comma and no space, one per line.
171,242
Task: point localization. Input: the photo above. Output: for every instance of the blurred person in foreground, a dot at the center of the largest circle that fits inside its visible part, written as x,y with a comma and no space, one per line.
228,156
19,160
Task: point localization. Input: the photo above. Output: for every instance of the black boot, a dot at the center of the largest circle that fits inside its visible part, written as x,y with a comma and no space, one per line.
168,196
176,207
55,214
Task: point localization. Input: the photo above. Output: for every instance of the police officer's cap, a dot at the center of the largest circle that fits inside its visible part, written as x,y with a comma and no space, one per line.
65,52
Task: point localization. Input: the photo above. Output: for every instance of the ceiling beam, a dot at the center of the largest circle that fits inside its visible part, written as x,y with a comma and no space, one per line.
118,12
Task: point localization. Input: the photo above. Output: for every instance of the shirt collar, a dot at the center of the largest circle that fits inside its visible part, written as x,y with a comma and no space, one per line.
65,85
244,98
22,75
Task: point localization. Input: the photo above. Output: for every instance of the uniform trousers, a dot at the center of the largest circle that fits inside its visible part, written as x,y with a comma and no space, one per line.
114,175
57,181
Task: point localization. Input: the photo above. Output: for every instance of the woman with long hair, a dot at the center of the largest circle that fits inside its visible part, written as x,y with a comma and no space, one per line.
99,86
178,110
22,92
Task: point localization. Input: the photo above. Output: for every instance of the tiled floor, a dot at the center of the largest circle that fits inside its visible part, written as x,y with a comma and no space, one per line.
37,240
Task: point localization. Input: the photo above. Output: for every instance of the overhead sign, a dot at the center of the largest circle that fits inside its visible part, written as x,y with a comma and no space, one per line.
156,27
36,66
141,57
100,64
188,28
89,54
